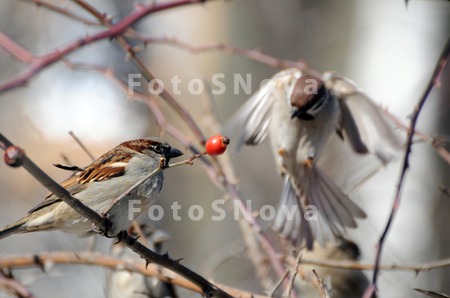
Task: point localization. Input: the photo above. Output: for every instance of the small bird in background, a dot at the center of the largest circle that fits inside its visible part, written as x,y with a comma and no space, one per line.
99,185
341,283
300,112
124,284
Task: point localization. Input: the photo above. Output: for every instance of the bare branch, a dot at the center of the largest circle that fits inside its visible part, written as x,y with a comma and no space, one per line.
324,291
91,156
38,63
434,81
97,259
63,11
350,265
220,46
436,142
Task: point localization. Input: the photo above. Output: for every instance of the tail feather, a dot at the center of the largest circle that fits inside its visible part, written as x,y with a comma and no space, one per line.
12,229
290,221
335,210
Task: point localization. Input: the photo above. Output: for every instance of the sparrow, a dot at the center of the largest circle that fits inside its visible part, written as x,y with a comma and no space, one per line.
341,283
124,284
99,185
300,112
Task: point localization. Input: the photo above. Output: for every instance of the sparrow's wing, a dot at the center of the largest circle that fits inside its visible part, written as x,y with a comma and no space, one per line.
252,120
363,125
107,166
70,184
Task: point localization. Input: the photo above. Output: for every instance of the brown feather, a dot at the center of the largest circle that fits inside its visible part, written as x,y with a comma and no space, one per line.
302,97
103,168
99,170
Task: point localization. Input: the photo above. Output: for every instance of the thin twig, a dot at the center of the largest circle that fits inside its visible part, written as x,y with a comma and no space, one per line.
220,46
279,283
434,81
91,156
324,291
294,275
352,265
436,142
63,11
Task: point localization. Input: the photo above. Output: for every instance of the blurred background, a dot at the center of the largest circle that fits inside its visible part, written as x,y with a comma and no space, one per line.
388,49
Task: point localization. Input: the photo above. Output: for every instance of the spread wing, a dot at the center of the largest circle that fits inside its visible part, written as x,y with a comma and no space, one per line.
252,120
362,124
109,165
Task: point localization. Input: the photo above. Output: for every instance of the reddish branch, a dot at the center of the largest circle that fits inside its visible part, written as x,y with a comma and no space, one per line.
38,63
434,81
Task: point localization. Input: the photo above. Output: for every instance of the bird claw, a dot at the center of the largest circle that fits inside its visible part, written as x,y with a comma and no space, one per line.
122,235
308,163
107,224
282,152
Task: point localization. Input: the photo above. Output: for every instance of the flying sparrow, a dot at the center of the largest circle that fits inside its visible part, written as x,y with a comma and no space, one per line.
301,112
99,185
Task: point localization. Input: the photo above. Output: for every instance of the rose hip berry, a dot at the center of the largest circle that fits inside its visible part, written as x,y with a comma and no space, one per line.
216,145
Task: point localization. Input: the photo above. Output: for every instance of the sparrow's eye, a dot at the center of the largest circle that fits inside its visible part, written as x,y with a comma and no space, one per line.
158,149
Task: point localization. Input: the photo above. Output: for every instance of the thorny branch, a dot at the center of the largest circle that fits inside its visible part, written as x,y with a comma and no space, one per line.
434,81
97,259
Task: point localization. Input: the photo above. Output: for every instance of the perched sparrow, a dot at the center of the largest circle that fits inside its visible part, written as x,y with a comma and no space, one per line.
341,283
300,112
99,185
124,284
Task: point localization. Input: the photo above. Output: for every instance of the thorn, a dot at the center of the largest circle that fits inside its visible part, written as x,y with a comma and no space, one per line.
179,260
147,262
38,261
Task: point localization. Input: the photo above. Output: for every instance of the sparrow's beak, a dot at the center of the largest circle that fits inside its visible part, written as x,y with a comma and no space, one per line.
300,113
295,112
172,153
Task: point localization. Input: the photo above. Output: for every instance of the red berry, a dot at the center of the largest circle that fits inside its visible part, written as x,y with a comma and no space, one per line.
216,145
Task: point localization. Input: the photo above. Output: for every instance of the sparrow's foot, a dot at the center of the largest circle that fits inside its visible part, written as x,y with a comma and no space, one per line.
282,152
107,224
122,235
308,163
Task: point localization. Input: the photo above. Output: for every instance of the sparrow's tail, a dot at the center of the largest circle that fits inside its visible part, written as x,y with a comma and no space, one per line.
15,228
323,211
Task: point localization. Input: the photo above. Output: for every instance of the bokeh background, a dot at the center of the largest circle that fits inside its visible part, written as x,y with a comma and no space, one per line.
389,49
